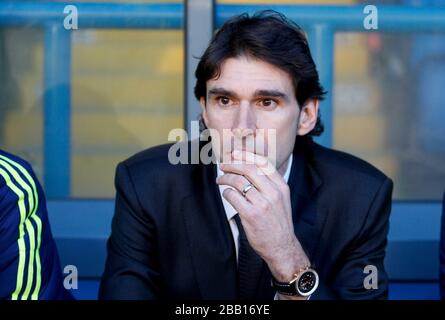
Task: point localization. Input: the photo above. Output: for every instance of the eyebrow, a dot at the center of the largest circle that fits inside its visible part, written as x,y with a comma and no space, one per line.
222,92
258,93
271,93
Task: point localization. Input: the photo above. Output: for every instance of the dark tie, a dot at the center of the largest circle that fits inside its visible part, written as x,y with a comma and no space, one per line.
249,265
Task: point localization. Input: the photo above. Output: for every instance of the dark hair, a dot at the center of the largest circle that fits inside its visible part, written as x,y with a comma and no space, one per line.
268,36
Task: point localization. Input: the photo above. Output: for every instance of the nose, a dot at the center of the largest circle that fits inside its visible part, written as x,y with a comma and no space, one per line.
244,124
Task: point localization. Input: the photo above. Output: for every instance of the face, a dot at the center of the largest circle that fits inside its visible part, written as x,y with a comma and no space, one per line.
252,106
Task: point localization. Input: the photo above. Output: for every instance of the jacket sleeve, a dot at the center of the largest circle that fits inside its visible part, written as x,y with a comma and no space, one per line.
131,270
368,249
29,262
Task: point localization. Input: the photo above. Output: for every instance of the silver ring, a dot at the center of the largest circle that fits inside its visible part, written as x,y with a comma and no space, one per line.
246,189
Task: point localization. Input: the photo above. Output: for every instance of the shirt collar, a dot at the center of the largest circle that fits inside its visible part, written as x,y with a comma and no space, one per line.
230,211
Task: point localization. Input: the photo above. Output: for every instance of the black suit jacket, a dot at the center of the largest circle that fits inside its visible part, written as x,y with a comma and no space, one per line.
171,239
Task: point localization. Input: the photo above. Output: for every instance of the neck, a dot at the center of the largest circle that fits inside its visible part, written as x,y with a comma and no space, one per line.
283,167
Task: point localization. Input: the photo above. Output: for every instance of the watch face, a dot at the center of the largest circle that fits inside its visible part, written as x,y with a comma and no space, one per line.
307,282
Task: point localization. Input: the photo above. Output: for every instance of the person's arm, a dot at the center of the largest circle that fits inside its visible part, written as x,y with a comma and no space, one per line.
29,263
132,263
368,249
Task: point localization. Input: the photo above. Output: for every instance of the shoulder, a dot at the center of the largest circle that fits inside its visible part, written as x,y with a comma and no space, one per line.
158,167
8,160
356,193
160,159
155,155
334,164
16,181
153,181
350,182
11,167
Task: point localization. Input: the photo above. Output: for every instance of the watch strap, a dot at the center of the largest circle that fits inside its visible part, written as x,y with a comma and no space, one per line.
288,288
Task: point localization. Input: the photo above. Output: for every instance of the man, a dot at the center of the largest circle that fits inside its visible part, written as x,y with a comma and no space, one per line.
306,222
29,263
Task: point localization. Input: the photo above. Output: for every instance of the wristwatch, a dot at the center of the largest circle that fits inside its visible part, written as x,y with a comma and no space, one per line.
304,283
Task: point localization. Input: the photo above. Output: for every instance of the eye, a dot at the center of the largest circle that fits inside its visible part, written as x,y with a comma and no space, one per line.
224,101
268,103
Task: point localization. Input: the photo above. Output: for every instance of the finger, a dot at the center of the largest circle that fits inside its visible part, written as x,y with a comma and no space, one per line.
239,182
250,172
241,205
250,157
263,164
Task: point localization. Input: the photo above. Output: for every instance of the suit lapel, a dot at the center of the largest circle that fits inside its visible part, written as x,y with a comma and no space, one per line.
211,243
308,217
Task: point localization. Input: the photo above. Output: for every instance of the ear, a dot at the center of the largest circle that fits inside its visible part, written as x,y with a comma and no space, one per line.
202,102
308,117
